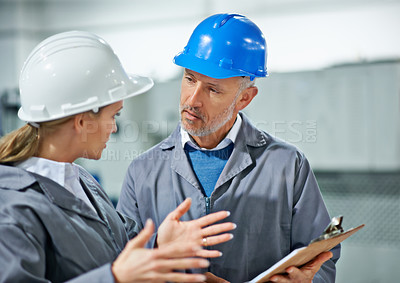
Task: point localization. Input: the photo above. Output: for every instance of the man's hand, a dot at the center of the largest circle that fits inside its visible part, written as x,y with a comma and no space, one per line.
305,274
198,230
211,278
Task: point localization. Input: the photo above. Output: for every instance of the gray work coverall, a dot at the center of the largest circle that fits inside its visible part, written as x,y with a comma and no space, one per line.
267,185
49,235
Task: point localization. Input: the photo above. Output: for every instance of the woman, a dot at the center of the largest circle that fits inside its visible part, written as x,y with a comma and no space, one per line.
56,222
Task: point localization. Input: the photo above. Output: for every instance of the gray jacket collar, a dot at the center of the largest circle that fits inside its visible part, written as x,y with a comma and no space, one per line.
240,159
13,178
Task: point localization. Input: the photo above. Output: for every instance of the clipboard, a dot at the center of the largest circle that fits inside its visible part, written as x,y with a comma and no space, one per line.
331,237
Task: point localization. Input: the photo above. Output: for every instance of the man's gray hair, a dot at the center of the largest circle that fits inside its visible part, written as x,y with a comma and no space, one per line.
246,83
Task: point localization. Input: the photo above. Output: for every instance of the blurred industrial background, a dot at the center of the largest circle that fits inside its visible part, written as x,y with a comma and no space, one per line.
333,91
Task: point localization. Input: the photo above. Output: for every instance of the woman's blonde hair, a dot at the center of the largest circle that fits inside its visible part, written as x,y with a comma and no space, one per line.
23,143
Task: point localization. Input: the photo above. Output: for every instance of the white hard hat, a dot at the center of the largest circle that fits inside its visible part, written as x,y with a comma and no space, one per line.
73,72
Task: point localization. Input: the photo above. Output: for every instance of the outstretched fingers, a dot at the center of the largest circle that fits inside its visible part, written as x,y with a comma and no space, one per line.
215,240
179,257
143,237
218,229
211,241
212,218
180,277
178,212
178,250
212,236
208,253
166,265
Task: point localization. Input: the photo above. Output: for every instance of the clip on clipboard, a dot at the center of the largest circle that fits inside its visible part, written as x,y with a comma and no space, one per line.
331,237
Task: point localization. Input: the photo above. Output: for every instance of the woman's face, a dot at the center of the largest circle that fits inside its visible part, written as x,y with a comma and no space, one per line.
98,130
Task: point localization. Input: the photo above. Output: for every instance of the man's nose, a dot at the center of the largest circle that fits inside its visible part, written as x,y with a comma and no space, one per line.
194,99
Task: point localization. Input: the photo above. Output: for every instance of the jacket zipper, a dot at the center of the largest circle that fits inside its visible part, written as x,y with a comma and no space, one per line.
208,204
208,208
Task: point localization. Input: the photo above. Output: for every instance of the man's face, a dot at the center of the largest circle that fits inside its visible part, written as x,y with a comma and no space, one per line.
207,104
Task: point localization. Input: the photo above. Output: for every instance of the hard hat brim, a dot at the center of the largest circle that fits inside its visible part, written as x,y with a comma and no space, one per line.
210,69
135,86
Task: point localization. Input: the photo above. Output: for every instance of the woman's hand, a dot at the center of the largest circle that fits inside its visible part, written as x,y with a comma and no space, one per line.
137,264
199,230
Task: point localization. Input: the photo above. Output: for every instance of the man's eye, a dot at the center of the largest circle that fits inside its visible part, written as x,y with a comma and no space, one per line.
189,79
117,115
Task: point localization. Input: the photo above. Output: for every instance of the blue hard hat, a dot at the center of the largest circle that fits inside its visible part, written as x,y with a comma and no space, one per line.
224,46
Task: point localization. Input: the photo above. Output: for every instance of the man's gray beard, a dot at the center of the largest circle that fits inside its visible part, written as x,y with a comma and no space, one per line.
215,125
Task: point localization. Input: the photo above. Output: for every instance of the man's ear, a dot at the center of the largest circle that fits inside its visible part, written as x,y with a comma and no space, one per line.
246,97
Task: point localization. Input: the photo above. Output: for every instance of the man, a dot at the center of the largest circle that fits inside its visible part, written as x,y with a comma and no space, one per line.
220,160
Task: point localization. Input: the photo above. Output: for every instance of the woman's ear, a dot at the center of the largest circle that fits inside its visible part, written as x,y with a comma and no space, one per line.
246,97
85,124
79,123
